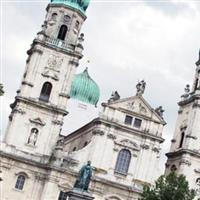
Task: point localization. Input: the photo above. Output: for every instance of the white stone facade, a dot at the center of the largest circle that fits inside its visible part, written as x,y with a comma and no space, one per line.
184,155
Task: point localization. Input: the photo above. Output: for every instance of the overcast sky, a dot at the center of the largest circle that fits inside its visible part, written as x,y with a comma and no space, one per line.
125,41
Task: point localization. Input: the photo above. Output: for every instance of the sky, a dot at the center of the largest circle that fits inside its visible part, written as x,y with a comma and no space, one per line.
125,41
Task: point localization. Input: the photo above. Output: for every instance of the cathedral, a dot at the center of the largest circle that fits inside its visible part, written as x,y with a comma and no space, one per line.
120,148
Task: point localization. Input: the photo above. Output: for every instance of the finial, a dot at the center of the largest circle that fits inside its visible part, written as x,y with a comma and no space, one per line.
198,62
141,85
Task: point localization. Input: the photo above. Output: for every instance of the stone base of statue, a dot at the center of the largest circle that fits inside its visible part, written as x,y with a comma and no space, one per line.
77,194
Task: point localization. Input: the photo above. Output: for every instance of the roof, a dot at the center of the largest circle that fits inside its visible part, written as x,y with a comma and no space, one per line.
85,89
80,5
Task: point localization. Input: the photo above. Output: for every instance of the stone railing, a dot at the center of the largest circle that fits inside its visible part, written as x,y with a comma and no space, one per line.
59,44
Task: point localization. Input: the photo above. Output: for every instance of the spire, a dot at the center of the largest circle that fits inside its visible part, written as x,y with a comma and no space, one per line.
198,62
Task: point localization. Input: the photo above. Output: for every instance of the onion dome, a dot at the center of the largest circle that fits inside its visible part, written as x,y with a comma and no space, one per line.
77,4
84,89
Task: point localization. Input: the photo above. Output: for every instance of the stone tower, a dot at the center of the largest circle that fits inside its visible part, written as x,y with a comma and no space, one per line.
41,102
184,155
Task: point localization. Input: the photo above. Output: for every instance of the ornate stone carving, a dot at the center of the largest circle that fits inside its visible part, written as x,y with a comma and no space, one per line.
54,62
98,132
142,109
57,122
19,110
130,105
185,162
127,144
37,121
144,146
186,92
156,149
53,67
111,136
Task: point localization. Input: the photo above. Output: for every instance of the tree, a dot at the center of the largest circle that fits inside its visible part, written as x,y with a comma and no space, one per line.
1,90
170,187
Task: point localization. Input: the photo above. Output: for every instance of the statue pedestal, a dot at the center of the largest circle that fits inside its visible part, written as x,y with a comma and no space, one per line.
79,195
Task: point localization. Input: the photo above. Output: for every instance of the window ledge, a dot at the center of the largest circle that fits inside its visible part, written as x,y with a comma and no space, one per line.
17,190
120,174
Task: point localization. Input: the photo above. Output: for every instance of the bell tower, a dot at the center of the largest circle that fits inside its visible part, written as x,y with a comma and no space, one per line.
184,155
37,113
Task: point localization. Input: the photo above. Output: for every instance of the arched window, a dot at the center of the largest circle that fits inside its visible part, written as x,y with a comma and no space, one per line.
62,33
182,139
123,161
20,182
62,195
45,92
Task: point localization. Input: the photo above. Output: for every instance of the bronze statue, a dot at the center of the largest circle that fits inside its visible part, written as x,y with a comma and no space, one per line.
84,177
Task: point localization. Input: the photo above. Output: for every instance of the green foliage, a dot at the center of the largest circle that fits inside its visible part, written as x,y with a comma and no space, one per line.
1,90
171,187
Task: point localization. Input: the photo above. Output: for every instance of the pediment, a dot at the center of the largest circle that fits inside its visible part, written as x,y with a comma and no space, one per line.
136,105
37,121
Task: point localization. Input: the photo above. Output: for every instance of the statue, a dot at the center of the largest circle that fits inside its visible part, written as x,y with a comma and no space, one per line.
160,111
84,177
198,62
114,97
187,91
33,136
141,87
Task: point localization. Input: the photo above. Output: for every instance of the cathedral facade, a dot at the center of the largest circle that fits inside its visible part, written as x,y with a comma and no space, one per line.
123,143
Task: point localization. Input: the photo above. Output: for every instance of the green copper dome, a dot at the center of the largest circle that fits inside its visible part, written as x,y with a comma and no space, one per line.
77,4
85,89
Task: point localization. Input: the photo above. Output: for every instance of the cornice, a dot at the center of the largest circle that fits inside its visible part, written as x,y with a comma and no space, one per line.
181,152
51,107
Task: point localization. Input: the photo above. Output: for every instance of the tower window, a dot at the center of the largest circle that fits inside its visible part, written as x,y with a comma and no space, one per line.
54,16
123,161
128,120
67,18
137,123
45,92
182,139
62,195
62,33
77,24
20,182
